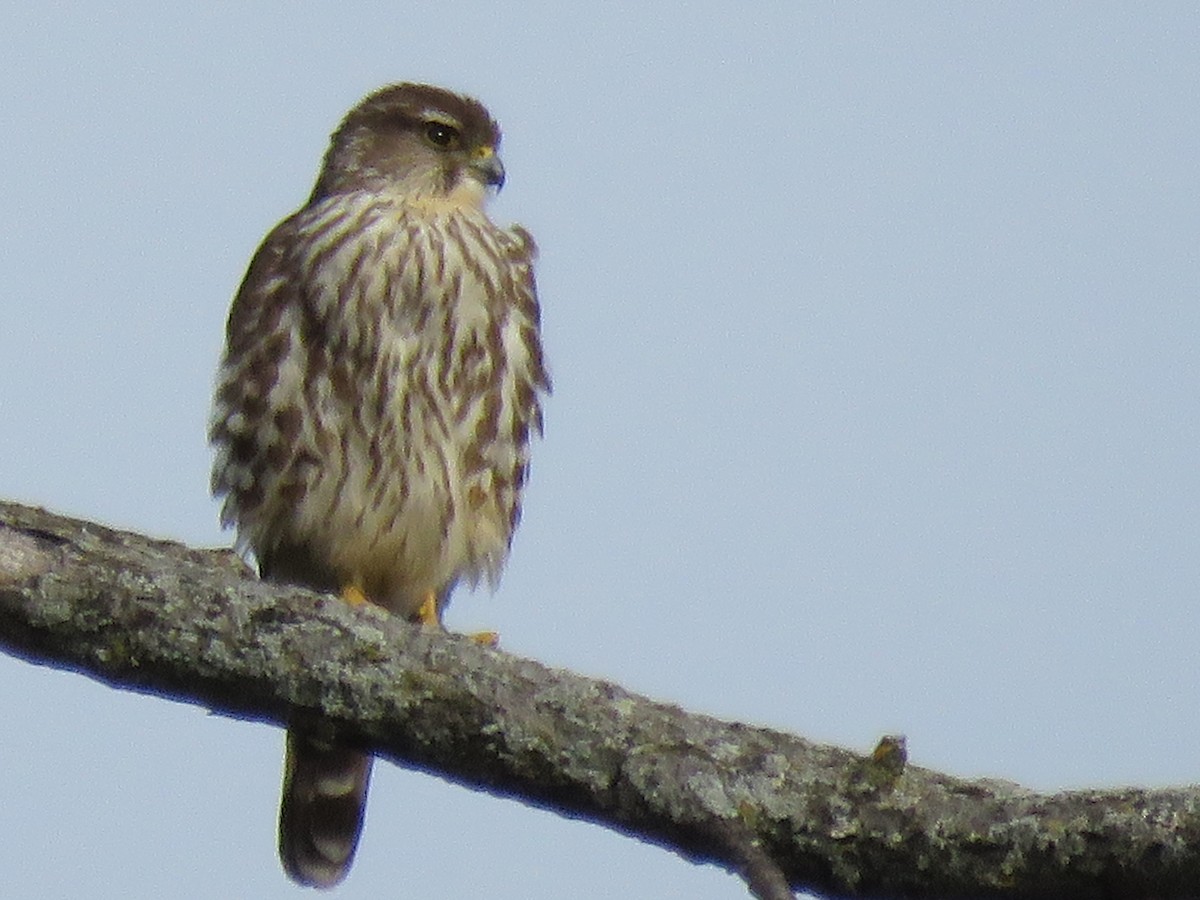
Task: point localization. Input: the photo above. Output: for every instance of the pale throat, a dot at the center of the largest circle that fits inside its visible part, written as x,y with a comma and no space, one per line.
469,195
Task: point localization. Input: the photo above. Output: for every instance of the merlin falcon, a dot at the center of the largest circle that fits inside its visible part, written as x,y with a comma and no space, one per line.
382,377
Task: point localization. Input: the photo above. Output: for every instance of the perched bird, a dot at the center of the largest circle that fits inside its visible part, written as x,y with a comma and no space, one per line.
381,380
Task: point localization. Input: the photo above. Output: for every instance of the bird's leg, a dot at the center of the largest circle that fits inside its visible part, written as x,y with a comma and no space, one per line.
353,594
430,614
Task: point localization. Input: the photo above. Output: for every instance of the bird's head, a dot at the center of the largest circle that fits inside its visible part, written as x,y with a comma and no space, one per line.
420,141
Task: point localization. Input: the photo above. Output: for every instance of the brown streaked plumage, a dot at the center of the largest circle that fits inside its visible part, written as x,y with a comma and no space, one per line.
381,380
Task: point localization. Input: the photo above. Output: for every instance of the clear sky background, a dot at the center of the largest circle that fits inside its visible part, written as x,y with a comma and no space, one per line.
874,331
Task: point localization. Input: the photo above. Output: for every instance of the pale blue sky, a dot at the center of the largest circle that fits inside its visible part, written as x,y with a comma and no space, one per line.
874,330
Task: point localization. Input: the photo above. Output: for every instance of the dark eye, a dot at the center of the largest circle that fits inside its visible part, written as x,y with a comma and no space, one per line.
440,134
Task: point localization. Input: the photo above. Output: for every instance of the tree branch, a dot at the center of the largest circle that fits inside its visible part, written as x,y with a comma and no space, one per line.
785,813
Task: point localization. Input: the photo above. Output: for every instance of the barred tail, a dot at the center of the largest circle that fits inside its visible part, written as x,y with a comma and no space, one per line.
321,814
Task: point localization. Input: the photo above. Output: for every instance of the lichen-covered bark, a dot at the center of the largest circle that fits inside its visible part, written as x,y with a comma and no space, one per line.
195,625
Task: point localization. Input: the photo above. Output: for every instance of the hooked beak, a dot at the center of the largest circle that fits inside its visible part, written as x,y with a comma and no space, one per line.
487,167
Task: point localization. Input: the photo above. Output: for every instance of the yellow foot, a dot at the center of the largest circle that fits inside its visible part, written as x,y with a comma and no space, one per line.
428,613
353,595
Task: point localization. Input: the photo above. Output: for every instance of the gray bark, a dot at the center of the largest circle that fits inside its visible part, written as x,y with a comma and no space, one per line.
785,813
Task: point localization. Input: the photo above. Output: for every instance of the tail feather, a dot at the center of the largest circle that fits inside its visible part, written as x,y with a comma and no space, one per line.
321,814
